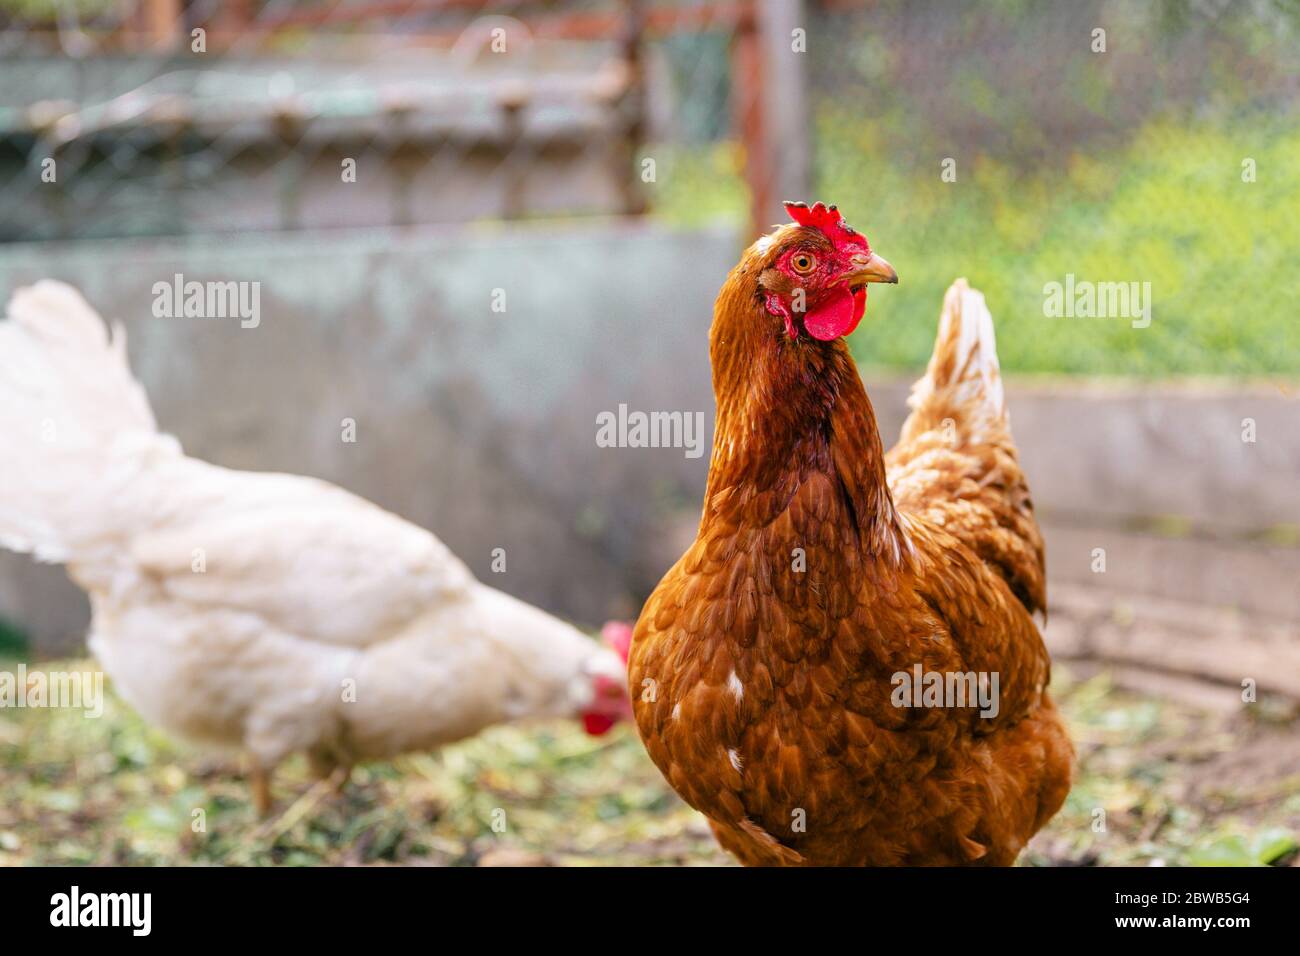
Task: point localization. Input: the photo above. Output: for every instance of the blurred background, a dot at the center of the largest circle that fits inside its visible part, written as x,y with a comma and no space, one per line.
478,225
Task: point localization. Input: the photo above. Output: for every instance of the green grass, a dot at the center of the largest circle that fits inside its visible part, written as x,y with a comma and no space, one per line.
13,642
1168,206
112,790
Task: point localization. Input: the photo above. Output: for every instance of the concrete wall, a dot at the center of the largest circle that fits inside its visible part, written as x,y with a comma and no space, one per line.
481,425
476,424
1159,476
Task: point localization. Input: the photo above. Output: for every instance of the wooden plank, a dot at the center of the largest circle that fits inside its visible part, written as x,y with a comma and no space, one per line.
1178,639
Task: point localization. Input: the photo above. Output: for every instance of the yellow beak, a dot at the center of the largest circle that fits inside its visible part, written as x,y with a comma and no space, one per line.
871,268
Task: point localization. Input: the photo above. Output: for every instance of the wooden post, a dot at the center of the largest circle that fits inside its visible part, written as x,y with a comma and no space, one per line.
631,109
747,114
771,111
786,123
514,162
160,22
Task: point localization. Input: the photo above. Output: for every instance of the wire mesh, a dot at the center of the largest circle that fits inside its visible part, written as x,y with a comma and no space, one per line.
1067,157
1023,145
156,117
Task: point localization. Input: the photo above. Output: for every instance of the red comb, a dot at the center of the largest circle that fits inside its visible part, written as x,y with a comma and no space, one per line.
825,218
820,216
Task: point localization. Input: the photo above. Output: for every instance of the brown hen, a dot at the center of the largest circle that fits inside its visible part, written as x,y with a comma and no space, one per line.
782,669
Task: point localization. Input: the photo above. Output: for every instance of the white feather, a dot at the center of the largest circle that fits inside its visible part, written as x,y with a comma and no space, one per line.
964,380
269,611
977,324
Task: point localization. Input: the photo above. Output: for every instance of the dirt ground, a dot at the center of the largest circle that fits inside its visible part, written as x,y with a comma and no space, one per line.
1159,783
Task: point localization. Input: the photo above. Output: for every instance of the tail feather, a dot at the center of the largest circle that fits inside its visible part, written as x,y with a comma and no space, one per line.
956,462
963,383
67,404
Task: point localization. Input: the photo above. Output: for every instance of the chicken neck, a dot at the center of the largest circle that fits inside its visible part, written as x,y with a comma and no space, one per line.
789,409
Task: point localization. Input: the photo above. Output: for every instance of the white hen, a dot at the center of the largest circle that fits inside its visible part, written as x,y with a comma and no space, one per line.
274,612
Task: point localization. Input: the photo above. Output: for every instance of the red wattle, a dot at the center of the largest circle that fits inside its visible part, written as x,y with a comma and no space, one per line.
597,724
839,314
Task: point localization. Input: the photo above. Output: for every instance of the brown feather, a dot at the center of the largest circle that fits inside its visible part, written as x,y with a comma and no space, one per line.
771,711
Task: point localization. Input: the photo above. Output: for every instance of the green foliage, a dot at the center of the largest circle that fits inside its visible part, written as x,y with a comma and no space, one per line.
699,186
1239,849
1154,784
53,9
78,791
1125,166
13,642
112,790
1170,208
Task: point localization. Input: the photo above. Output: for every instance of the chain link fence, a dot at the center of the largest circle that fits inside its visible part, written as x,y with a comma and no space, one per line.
1028,146
157,117
1117,177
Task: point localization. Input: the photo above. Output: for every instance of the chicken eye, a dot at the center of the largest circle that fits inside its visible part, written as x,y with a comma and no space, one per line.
803,263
